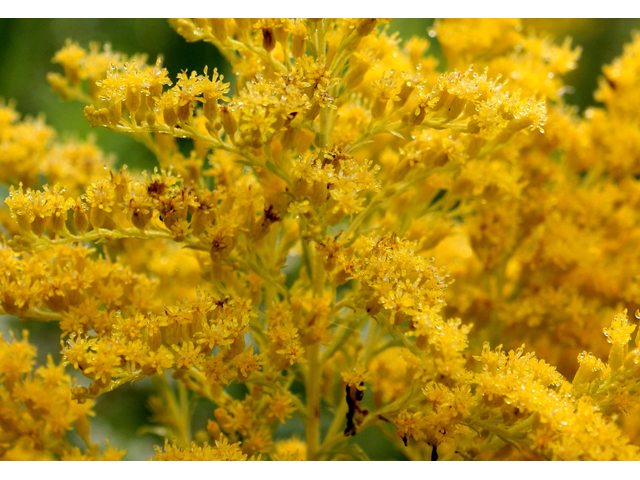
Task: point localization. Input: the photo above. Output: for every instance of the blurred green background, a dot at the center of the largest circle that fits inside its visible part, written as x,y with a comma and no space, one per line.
26,49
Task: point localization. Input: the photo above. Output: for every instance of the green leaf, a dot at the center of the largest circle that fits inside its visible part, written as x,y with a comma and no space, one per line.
396,134
352,449
161,432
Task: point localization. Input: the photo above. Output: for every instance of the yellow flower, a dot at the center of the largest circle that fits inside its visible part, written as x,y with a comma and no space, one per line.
291,249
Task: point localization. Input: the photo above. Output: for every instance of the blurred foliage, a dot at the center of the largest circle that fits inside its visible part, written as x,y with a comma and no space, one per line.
26,49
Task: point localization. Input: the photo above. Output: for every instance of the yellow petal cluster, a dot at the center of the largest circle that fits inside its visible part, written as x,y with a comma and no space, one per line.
290,258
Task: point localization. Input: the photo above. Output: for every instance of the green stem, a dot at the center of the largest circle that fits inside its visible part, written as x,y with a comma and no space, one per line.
37,315
347,331
260,52
177,411
312,388
314,370
339,421
339,437
373,204
301,410
364,138
42,243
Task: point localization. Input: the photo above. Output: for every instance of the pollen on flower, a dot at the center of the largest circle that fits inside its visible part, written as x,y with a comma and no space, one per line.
281,280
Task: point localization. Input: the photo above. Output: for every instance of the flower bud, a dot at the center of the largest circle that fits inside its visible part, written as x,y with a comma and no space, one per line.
314,111
8,302
97,217
133,99
154,337
115,112
228,121
57,221
318,194
185,28
170,116
373,306
357,70
415,117
616,356
590,369
366,26
223,419
80,220
141,219
268,39
379,106
214,430
297,46
210,108
80,394
404,94
184,112
288,138
236,348
97,118
38,225
155,92
173,333
422,342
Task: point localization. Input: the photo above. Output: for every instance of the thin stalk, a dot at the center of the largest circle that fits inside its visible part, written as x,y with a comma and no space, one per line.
338,421
347,331
36,315
312,387
175,410
314,370
41,243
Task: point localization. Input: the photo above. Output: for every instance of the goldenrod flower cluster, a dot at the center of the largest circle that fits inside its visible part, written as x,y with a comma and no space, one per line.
343,229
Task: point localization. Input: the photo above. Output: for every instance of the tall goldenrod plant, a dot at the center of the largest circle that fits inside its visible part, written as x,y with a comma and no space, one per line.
301,236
